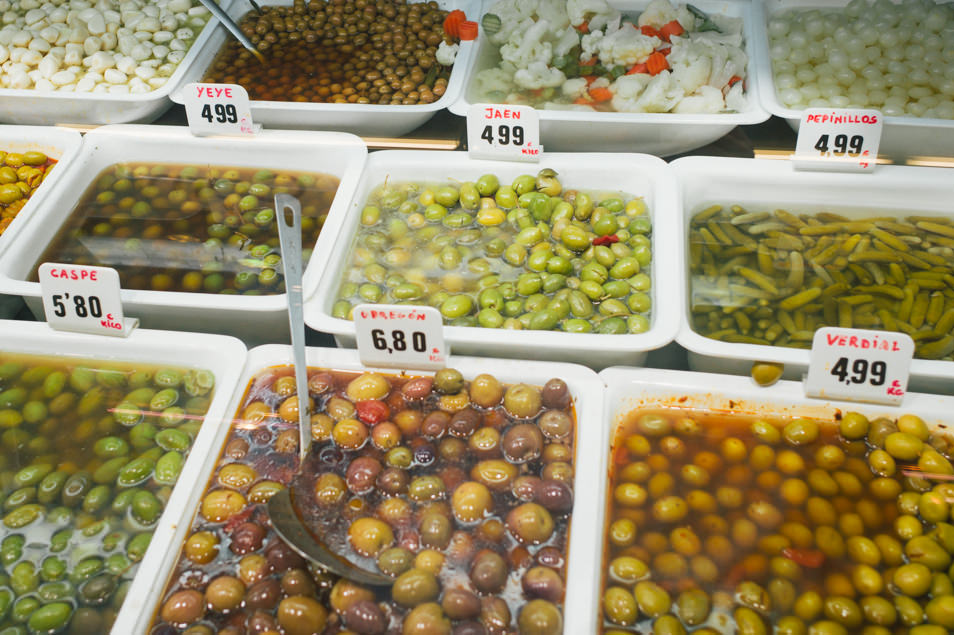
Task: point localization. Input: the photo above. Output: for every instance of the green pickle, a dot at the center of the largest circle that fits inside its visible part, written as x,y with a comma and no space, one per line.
473,241
727,522
84,466
773,278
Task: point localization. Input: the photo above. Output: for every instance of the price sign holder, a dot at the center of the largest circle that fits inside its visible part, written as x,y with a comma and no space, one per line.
83,299
838,139
218,109
400,336
503,132
859,365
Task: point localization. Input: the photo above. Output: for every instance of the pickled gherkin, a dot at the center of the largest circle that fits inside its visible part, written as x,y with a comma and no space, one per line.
83,468
774,277
523,254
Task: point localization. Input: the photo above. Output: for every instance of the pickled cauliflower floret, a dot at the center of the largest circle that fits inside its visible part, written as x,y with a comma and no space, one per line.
627,46
584,53
446,53
538,75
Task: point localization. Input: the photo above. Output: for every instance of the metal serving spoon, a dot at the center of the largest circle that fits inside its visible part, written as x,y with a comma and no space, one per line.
285,518
233,28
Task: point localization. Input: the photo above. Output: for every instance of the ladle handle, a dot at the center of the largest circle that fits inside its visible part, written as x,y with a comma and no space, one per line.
288,216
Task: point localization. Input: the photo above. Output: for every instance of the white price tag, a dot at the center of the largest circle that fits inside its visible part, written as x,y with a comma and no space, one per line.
84,299
399,336
219,109
859,365
840,139
499,131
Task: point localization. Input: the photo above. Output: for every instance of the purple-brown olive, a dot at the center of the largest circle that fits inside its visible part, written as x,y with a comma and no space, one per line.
281,557
435,530
183,607
469,627
489,572
365,617
362,473
522,443
346,593
297,582
435,425
247,537
543,582
525,488
555,394
464,422
556,496
551,557
393,481
460,604
261,622
264,594
417,388
320,383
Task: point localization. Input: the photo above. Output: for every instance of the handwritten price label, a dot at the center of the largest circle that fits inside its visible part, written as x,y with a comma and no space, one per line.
841,139
400,336
859,365
220,109
83,299
510,133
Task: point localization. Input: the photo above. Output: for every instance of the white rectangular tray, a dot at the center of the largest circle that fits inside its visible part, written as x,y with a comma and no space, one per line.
661,134
765,184
361,119
223,356
252,317
638,175
586,390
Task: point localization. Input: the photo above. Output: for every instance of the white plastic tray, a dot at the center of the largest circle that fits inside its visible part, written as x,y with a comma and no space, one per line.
28,106
224,356
901,137
256,318
661,134
362,119
585,388
628,389
764,184
639,175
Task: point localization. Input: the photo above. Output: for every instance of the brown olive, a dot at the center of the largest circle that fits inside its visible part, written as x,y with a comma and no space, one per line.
183,607
395,561
556,496
225,593
281,557
264,594
460,604
417,388
261,622
362,473
522,443
489,572
543,582
436,529
485,443
525,488
464,422
320,383
236,449
522,401
435,425
393,481
297,582
247,537
414,587
555,394
300,615
469,627
555,424
495,614
539,617
252,568
452,450
486,391
365,617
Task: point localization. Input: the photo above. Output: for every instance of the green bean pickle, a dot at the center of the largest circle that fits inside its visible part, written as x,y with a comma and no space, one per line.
773,278
525,255
458,489
191,228
80,482
731,523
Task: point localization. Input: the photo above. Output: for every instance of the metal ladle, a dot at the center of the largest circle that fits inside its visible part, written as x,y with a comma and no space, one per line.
233,28
285,518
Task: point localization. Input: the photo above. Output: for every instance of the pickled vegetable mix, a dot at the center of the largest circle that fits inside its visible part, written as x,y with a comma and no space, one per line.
587,56
725,523
90,453
21,173
460,490
531,254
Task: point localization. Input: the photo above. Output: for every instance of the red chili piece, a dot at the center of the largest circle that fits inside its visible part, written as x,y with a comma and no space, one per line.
372,411
805,557
605,240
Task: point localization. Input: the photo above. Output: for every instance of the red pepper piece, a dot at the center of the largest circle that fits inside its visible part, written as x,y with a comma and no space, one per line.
372,411
805,557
